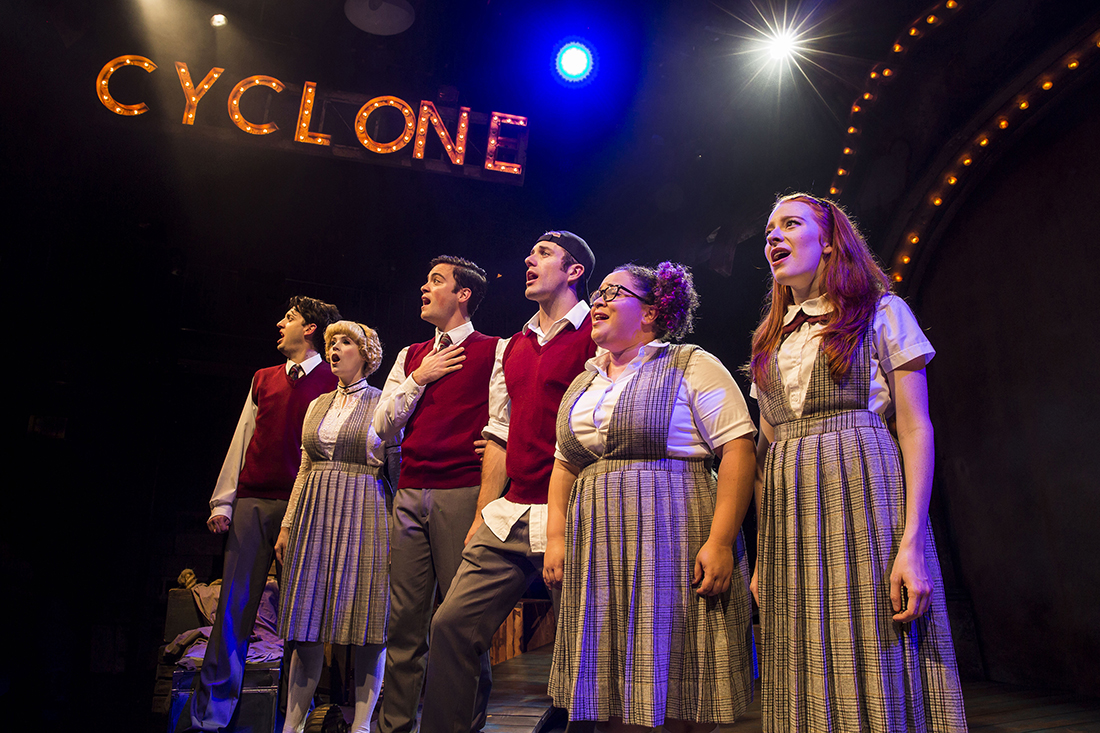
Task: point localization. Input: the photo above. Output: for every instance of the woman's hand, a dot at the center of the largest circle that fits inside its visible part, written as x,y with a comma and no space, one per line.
281,543
911,572
754,584
713,569
553,562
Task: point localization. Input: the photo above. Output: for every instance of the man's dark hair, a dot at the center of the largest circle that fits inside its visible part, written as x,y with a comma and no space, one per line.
567,261
317,312
467,275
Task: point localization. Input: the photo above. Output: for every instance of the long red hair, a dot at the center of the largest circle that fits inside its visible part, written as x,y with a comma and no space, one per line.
853,282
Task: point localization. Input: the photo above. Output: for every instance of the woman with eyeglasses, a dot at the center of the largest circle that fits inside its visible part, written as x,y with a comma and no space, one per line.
642,538
854,629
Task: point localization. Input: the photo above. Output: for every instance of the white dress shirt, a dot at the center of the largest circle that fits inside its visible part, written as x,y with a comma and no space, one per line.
896,339
709,410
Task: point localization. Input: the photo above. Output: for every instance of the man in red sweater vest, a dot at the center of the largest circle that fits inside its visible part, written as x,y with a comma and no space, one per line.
251,496
438,392
506,541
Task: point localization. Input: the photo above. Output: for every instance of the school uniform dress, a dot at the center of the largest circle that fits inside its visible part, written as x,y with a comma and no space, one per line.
336,581
832,518
635,641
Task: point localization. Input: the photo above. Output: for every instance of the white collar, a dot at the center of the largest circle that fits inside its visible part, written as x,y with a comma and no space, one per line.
600,361
818,306
307,366
458,334
575,316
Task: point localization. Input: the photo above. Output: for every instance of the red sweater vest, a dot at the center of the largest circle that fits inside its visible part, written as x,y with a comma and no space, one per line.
537,377
437,451
273,455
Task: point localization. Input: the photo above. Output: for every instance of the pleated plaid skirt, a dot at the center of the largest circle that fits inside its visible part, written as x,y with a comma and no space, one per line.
634,639
832,517
336,582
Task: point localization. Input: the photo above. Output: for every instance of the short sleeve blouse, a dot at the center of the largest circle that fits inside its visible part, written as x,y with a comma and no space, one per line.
709,410
896,339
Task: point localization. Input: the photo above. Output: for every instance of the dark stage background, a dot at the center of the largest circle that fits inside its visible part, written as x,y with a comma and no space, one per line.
147,262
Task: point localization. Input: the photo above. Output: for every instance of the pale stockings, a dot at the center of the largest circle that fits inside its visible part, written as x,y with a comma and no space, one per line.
305,671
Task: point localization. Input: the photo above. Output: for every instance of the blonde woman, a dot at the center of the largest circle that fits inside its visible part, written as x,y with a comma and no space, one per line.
334,542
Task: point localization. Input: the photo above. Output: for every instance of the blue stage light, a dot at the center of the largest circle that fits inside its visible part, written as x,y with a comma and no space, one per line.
575,62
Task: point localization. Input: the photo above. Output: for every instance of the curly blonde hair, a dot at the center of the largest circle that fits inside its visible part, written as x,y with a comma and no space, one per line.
370,347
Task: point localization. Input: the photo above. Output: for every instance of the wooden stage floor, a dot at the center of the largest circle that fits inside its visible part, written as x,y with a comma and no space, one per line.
519,704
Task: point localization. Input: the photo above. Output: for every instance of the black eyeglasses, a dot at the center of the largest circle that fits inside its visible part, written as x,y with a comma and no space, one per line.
609,293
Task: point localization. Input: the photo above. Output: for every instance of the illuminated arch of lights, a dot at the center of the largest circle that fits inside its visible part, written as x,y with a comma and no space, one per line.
996,127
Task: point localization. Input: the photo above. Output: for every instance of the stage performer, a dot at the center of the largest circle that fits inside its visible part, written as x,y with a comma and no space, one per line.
854,631
655,626
504,546
334,544
251,496
438,393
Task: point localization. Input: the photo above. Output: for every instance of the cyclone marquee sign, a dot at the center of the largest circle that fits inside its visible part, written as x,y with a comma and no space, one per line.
385,129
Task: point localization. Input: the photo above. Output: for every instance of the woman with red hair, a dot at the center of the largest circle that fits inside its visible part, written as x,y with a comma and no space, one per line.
854,629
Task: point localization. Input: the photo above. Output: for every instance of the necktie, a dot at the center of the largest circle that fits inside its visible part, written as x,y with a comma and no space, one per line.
295,373
443,343
801,318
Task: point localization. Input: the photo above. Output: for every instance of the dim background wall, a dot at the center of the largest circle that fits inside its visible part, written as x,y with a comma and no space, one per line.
1008,301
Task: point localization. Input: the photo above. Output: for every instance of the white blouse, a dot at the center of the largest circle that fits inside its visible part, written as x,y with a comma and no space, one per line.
896,340
709,410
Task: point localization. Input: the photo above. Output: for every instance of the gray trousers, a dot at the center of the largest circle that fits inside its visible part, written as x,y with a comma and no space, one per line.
248,551
493,577
426,541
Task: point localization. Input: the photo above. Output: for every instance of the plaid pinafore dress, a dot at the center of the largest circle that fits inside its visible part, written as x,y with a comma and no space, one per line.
336,580
634,640
833,514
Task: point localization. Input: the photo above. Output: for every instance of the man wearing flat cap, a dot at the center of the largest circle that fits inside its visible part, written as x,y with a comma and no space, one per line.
505,545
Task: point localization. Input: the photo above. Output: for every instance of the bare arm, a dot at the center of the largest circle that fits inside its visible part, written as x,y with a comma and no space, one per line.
561,483
714,562
909,388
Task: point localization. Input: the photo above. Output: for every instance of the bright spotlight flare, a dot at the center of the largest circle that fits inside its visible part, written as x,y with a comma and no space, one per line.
783,44
217,20
575,62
